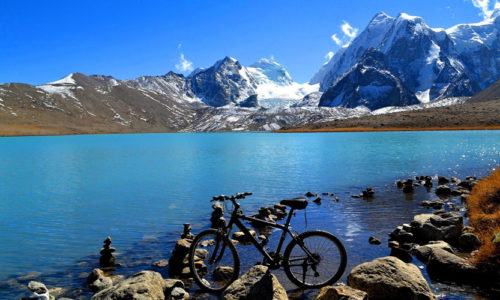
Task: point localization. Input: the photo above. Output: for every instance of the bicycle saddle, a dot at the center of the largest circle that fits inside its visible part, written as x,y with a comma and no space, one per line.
295,203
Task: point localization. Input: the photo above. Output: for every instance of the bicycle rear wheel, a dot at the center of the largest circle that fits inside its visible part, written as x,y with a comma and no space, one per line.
213,261
314,259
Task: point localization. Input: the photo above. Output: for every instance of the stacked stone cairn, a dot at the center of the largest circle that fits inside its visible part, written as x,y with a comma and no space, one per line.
179,261
107,259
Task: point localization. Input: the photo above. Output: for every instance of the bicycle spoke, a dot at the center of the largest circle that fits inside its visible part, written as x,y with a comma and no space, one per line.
317,261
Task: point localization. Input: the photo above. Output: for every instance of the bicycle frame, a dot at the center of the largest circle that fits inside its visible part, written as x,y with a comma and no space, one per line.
237,216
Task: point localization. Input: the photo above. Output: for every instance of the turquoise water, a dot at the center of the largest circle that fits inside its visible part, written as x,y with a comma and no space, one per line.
61,196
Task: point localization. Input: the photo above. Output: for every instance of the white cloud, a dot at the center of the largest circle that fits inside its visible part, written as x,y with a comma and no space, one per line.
348,30
336,39
184,65
348,34
486,7
179,46
329,55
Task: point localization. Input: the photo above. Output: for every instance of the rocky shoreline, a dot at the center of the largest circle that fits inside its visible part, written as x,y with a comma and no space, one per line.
438,239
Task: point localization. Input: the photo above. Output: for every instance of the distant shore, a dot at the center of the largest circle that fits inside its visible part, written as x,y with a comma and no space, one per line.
27,130
368,129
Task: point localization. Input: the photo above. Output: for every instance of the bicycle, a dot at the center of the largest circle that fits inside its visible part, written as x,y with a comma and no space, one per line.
312,259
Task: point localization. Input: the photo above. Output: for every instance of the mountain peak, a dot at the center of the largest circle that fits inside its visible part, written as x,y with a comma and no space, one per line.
269,68
228,60
407,17
265,62
379,18
66,80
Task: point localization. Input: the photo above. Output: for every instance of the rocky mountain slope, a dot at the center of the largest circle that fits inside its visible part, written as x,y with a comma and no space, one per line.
401,61
395,64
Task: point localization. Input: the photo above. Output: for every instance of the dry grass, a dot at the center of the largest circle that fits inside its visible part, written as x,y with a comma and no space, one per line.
484,215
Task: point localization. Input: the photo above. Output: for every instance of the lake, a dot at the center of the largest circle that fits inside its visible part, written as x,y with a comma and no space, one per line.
61,196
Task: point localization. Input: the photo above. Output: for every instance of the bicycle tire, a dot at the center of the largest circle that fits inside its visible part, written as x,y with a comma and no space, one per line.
227,244
303,237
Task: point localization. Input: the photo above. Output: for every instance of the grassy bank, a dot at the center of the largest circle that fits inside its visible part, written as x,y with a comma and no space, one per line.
484,214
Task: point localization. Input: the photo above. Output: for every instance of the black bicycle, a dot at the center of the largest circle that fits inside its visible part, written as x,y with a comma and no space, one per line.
312,259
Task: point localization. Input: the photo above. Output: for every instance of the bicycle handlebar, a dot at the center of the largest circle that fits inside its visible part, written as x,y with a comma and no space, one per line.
232,198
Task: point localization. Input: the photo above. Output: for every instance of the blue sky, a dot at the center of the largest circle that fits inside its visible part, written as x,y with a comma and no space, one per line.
42,41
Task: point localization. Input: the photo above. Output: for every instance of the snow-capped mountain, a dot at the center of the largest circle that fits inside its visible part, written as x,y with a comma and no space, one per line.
275,87
265,83
402,61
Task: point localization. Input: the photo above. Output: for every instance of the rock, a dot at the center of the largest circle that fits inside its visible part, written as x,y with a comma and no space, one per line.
368,192
162,263
187,232
178,293
30,276
38,289
101,283
428,181
441,225
341,292
170,284
393,244
399,184
241,237
222,273
309,194
390,278
467,184
116,278
401,235
178,261
443,190
142,285
442,180
57,291
424,252
97,281
455,179
256,283
373,240
402,254
468,242
317,200
94,275
217,219
408,186
436,204
447,266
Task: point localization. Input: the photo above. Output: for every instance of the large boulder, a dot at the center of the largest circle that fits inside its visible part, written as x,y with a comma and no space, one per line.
256,283
441,225
424,252
448,266
341,292
390,278
142,285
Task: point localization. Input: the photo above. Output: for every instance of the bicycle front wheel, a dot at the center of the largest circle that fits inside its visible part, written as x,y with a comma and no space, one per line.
314,259
213,261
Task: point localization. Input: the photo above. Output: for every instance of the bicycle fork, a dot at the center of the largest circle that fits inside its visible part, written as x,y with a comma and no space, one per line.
218,240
